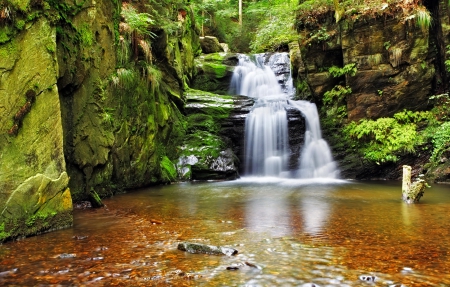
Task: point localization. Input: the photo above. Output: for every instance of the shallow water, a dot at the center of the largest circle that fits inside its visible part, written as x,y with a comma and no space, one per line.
287,232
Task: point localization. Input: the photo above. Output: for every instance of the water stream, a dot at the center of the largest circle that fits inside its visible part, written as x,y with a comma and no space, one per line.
293,232
266,130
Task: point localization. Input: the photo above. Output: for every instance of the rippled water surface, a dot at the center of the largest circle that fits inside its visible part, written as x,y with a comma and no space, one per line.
288,233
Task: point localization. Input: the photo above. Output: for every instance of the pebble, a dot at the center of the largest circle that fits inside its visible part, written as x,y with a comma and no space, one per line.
367,278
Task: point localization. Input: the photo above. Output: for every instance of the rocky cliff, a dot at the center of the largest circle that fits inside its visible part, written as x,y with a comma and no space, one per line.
389,61
88,96
34,194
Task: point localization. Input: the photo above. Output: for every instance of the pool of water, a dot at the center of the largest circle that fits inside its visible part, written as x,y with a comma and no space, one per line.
287,232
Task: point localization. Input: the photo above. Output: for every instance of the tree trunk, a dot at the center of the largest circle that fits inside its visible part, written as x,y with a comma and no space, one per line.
240,12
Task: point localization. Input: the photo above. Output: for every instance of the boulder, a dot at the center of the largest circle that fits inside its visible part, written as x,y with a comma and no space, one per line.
214,72
210,45
208,151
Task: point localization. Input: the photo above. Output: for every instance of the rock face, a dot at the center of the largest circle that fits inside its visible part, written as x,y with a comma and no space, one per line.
122,110
398,65
34,194
81,101
392,62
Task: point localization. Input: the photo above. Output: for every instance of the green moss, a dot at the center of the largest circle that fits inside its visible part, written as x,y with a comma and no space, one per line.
20,24
85,35
4,34
21,5
202,122
218,70
216,57
3,234
204,145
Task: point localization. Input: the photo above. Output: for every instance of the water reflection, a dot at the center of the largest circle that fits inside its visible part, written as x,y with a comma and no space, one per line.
315,215
269,214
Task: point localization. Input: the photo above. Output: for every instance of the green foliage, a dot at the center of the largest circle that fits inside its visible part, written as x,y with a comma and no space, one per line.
384,139
267,24
337,94
423,18
349,69
335,106
275,29
168,170
3,233
138,22
440,140
447,62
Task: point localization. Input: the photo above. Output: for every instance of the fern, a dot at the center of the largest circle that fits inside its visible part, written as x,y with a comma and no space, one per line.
440,140
382,140
349,69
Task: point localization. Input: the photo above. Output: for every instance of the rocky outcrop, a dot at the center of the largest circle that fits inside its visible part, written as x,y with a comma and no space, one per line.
392,57
210,45
34,193
214,72
122,108
213,145
80,100
398,66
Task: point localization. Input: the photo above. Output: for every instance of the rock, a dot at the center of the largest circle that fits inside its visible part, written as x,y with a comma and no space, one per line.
234,268
210,45
214,72
197,248
33,179
368,278
208,149
67,255
394,64
225,47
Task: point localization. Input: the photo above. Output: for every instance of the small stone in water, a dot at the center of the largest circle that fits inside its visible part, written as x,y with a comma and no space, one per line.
367,278
4,273
80,237
67,255
232,268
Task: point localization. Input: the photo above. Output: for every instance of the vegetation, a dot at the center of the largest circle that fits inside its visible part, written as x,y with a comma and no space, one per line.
384,139
267,24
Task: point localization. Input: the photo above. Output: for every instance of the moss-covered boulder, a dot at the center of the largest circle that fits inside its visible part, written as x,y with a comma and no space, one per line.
208,149
34,194
210,45
214,72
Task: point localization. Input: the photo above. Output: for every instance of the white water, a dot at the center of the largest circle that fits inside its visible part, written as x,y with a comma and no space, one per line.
266,127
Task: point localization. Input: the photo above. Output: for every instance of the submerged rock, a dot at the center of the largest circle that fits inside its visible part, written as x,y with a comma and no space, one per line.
197,248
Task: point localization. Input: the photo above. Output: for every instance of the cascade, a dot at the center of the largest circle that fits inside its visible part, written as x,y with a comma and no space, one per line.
266,126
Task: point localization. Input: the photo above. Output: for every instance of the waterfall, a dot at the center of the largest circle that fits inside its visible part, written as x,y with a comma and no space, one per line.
266,126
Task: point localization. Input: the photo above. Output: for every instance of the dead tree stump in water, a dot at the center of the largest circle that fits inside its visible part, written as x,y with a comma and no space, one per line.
411,193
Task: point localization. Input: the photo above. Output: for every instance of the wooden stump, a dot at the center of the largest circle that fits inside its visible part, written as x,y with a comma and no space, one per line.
411,193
